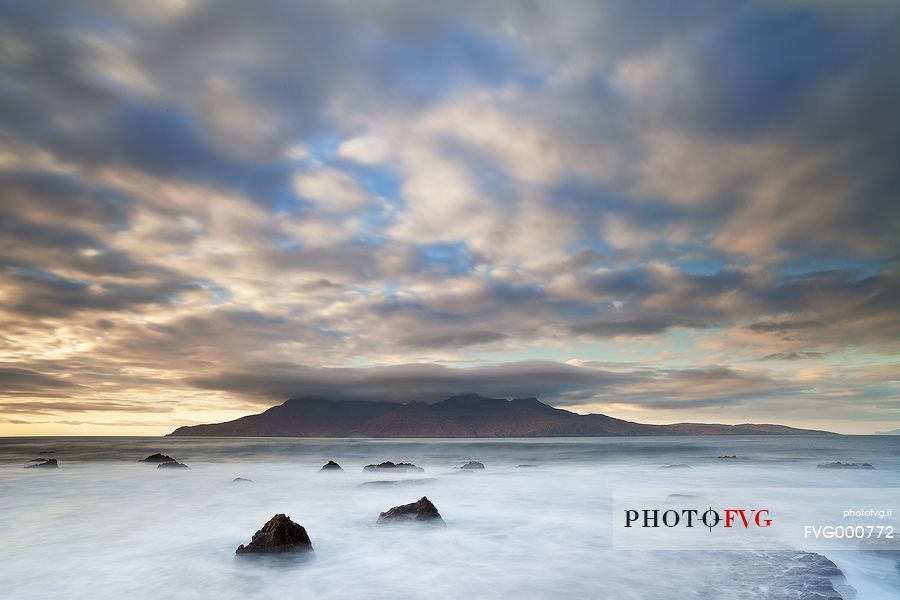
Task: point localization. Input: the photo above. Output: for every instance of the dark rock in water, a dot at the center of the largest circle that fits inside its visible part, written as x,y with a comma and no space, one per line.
240,480
423,511
331,466
404,482
158,458
39,459
279,535
389,466
677,466
840,465
771,575
814,576
171,465
49,463
473,465
525,466
726,457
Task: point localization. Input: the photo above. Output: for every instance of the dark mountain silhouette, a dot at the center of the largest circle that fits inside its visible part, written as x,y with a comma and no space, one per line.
470,415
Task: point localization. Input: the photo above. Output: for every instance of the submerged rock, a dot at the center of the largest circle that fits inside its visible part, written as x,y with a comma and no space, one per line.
676,466
841,465
770,575
331,466
423,511
473,465
158,458
171,465
389,466
241,480
48,463
279,535
404,482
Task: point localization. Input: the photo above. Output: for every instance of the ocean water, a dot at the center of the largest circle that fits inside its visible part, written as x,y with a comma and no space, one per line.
104,525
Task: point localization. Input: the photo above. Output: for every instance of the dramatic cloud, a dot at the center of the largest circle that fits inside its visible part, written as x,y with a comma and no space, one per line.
402,383
26,382
681,212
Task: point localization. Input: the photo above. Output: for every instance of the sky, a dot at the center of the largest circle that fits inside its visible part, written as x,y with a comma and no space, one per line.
664,212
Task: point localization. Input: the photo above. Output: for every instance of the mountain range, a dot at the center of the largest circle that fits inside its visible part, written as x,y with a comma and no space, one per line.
469,415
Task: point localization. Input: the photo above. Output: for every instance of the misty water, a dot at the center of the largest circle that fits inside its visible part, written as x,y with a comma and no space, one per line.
104,525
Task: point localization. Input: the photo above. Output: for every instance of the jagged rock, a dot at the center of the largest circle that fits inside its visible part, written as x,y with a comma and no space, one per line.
676,466
331,466
473,465
389,466
158,458
841,465
171,465
49,463
241,480
279,535
423,511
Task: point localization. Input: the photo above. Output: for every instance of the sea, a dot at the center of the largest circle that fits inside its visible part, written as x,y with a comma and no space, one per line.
538,522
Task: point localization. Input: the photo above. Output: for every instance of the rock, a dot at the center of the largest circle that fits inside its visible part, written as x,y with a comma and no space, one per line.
423,511
49,463
239,480
171,465
389,466
840,465
473,465
676,466
418,481
331,466
726,457
279,535
158,458
773,575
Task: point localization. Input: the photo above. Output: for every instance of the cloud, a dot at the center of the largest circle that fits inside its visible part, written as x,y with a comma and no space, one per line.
648,325
37,293
782,327
18,381
236,189
452,339
368,150
399,383
45,408
796,355
330,189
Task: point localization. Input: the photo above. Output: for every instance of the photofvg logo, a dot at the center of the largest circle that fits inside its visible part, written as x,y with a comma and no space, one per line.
756,519
710,518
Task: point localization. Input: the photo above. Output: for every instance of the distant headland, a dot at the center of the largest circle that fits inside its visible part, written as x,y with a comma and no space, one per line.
469,415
